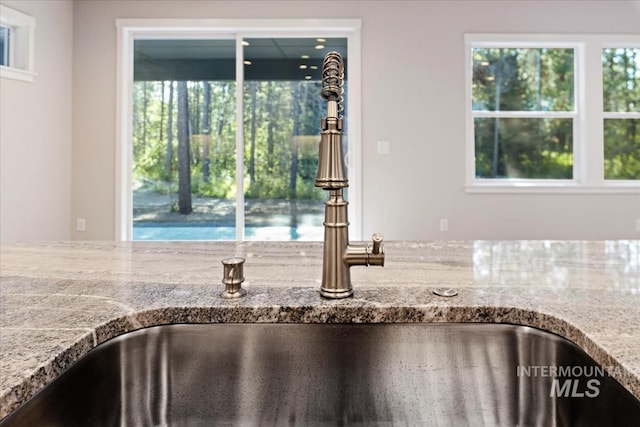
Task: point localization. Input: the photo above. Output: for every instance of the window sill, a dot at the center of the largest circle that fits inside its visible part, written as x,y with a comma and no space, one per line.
552,187
16,74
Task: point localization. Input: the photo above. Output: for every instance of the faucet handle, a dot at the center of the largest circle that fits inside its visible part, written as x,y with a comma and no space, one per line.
377,243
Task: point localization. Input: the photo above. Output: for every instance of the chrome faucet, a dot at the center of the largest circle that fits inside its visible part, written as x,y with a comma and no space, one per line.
338,254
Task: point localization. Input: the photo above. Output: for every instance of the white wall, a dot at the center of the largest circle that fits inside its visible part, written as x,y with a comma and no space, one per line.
35,132
404,193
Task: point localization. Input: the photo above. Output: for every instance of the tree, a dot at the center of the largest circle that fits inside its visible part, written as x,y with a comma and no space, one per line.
504,72
252,157
621,78
523,80
206,132
293,173
281,119
270,127
169,151
184,155
145,108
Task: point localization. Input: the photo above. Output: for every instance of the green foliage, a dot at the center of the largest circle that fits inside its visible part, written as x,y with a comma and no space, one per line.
281,132
280,120
622,149
621,77
527,148
542,80
523,80
217,187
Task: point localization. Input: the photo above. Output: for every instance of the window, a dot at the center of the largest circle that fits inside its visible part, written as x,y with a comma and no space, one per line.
621,96
534,108
224,126
523,112
17,32
5,33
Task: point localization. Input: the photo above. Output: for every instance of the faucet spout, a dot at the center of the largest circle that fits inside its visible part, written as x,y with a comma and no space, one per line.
338,255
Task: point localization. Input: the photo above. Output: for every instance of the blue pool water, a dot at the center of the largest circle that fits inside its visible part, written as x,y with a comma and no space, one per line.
306,233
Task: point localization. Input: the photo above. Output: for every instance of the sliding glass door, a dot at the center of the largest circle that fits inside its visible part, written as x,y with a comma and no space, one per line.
218,125
282,113
184,140
225,135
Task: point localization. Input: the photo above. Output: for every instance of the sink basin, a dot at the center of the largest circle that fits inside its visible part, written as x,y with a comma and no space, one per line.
332,374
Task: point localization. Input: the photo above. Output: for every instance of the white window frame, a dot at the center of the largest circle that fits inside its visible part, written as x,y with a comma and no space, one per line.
22,29
588,116
129,30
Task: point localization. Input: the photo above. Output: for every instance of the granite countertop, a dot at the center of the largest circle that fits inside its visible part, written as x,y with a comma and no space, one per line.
60,299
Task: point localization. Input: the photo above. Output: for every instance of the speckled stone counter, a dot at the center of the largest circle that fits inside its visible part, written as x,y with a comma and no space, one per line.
59,300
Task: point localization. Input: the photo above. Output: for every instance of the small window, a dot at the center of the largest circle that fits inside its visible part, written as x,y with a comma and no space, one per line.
523,112
5,33
621,106
17,32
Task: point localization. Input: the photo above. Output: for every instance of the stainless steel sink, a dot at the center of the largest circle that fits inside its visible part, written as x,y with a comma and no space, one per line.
324,374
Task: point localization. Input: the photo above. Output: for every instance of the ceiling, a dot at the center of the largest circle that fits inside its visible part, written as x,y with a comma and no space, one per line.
214,59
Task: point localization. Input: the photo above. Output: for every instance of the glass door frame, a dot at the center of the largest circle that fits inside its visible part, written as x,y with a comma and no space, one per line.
129,30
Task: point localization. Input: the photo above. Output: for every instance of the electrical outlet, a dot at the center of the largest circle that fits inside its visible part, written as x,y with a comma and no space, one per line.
444,224
81,224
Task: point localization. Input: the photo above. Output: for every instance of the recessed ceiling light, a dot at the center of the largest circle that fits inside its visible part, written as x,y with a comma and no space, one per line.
307,77
321,40
320,46
305,57
314,67
245,43
246,62
303,67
